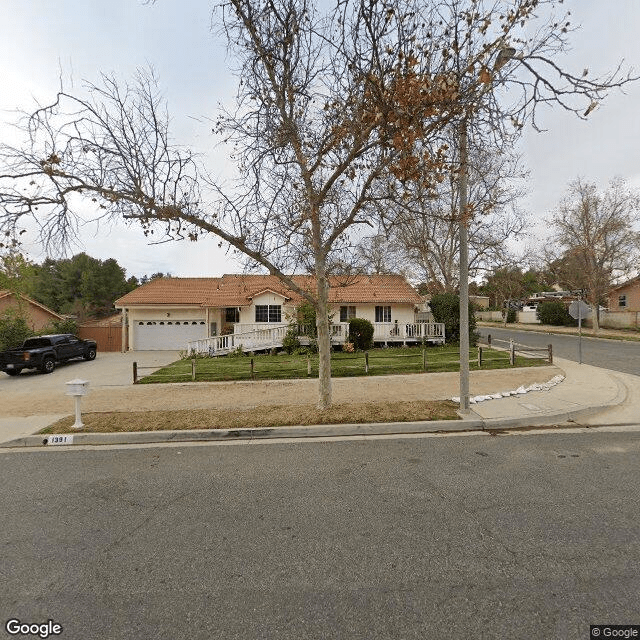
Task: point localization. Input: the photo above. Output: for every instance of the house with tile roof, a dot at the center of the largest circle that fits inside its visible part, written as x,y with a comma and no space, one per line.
173,313
37,315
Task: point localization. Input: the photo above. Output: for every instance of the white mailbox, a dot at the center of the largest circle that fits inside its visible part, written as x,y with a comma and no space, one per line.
77,387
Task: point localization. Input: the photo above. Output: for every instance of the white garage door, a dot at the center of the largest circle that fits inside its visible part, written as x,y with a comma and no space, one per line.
161,335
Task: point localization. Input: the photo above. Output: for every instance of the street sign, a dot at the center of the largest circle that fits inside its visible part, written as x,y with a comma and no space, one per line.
579,309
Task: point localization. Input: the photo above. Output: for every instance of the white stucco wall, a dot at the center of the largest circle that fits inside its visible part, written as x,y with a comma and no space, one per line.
248,314
400,312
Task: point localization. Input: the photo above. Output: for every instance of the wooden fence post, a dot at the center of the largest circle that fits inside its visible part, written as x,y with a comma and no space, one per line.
424,359
193,369
253,376
512,353
135,372
489,339
550,350
479,357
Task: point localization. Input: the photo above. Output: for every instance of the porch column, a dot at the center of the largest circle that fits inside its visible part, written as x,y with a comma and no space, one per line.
123,328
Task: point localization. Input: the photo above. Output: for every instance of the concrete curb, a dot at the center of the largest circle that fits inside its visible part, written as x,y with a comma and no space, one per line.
204,435
474,423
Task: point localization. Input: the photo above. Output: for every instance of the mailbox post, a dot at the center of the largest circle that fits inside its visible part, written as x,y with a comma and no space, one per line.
77,388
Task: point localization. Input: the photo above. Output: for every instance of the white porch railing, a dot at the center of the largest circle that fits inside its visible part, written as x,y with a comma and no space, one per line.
249,341
402,331
382,331
391,331
261,338
248,327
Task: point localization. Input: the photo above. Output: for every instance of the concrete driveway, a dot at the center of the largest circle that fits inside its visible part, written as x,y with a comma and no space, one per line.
33,392
107,370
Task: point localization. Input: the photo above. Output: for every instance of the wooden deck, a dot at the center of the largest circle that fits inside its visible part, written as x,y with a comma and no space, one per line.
265,338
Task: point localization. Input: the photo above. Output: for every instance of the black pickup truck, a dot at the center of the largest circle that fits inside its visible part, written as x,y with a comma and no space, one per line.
44,352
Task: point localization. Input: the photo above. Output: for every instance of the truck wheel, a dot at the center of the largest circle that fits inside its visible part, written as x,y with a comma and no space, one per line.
48,365
90,354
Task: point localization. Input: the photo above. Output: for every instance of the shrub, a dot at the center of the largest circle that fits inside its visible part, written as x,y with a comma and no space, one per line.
511,316
446,308
14,329
313,346
554,313
290,342
360,333
307,316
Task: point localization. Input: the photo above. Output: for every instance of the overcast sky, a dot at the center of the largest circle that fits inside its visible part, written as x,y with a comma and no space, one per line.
77,39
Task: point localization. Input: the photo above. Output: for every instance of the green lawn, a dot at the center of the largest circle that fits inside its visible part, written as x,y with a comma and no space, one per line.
381,362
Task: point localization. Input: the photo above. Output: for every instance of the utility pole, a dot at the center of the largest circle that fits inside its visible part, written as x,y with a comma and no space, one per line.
463,186
504,55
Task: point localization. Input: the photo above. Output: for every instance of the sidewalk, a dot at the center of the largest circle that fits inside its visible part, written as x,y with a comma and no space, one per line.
582,395
588,395
612,334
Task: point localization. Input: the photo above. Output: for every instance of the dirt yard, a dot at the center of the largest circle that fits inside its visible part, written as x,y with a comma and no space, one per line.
245,395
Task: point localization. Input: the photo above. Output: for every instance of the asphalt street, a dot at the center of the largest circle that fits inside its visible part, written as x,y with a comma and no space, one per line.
527,536
618,355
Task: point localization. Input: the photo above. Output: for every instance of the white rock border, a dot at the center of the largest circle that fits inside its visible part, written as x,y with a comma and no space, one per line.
536,386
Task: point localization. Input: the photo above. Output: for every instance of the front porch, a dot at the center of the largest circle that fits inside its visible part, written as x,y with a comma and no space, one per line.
395,332
263,336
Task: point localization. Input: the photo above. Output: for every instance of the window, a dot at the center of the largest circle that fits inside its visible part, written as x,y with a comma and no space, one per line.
346,313
383,314
268,313
622,301
232,314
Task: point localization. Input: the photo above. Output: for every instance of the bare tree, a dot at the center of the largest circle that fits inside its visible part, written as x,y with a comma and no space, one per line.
329,105
427,226
380,254
506,283
595,232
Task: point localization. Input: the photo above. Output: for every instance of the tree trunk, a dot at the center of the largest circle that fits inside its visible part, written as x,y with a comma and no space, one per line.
595,318
324,341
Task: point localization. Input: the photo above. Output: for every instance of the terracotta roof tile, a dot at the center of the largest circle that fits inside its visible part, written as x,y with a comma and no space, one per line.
238,290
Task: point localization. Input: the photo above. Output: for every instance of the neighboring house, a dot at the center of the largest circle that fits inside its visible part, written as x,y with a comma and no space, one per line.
626,296
481,302
169,313
38,316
